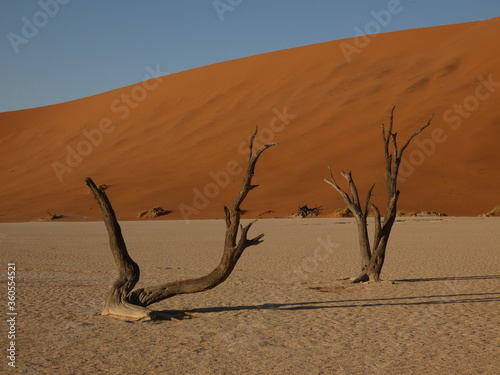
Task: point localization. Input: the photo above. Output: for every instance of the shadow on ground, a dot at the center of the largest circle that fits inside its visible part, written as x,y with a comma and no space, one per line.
436,299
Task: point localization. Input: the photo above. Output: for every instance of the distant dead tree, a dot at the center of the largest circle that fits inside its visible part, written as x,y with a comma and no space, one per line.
372,257
126,303
54,217
305,211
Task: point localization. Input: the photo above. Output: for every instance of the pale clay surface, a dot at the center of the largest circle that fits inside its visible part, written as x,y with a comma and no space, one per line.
284,310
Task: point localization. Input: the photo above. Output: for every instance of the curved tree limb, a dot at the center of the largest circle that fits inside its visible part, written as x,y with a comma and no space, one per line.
232,248
124,302
400,154
333,183
117,302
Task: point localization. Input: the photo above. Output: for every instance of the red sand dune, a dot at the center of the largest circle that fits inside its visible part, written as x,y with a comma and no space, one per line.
175,135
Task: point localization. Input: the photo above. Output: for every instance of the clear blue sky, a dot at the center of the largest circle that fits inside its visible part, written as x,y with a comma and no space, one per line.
55,53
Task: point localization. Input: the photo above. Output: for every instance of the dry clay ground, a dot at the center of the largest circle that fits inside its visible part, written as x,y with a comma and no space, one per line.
286,309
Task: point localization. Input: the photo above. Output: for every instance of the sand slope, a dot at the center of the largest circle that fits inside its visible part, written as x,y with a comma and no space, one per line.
165,141
284,310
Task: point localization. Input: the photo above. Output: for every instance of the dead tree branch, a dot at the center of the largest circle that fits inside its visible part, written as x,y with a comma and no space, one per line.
124,302
372,256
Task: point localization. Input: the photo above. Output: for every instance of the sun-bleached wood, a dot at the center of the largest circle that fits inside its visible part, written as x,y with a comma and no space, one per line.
125,303
373,255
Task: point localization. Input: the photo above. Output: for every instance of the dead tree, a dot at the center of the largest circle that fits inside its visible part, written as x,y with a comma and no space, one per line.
54,217
126,303
373,256
305,211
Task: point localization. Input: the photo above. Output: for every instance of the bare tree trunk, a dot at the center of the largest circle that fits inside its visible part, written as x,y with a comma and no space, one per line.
360,214
373,256
126,303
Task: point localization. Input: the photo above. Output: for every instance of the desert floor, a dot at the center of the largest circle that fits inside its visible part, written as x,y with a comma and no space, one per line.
286,309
